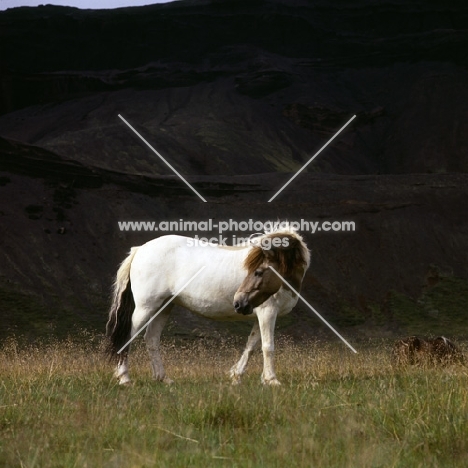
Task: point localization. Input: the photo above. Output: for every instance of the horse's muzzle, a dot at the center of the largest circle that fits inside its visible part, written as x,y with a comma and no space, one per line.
243,307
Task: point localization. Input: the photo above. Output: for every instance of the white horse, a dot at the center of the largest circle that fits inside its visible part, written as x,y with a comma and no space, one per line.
236,284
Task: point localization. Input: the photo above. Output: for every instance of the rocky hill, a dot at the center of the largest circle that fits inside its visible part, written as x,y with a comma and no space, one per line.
238,95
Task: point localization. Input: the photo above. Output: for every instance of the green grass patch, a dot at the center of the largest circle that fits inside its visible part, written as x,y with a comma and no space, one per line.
60,407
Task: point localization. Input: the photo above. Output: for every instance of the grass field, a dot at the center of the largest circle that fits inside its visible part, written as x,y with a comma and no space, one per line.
60,407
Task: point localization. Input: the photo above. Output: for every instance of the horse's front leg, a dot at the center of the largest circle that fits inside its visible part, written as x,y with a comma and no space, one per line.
267,319
239,368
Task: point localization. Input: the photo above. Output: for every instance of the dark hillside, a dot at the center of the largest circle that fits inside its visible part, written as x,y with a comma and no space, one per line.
238,95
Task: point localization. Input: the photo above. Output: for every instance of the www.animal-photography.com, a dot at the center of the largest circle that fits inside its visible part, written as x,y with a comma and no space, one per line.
233,233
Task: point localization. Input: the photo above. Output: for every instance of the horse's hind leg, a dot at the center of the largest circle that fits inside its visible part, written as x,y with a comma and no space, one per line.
121,372
153,339
140,317
238,369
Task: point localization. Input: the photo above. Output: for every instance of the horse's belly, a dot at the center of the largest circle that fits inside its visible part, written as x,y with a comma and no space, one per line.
223,309
216,310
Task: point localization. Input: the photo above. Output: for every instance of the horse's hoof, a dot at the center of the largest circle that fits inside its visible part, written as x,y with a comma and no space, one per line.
272,382
165,380
235,380
125,383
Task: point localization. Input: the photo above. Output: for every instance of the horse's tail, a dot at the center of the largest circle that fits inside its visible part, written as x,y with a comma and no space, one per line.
119,325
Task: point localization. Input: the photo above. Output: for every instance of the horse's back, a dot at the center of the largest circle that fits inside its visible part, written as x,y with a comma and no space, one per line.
183,255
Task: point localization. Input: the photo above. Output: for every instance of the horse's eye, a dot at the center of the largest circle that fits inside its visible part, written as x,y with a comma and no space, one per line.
258,273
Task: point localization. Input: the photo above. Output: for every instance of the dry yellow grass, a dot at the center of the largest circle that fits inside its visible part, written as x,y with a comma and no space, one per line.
60,407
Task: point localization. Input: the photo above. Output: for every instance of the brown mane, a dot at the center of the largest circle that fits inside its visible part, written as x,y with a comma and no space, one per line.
288,258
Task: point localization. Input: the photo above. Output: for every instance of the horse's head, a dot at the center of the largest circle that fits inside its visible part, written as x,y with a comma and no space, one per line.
286,253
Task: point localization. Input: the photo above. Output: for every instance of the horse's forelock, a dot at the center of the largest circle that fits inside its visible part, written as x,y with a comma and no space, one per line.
294,255
290,257
254,259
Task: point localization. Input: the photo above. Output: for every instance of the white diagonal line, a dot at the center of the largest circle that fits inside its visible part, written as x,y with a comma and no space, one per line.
313,310
161,157
312,158
160,310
